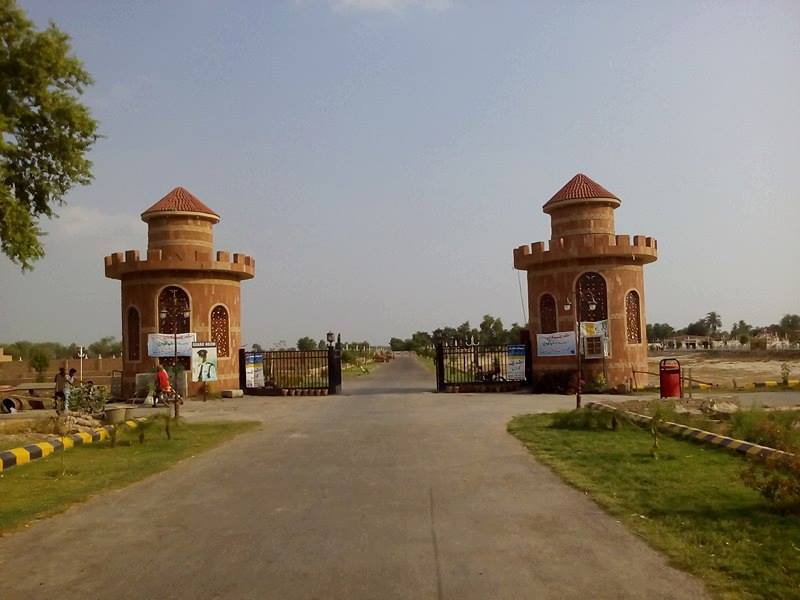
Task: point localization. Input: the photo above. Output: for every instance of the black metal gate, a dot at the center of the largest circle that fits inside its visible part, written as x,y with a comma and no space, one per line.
477,368
290,372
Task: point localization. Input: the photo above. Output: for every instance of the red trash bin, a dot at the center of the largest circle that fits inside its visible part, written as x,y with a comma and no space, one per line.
669,378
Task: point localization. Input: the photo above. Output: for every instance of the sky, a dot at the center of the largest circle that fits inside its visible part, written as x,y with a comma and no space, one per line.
381,159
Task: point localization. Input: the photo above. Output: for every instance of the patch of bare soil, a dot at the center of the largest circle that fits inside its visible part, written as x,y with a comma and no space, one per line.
723,368
15,440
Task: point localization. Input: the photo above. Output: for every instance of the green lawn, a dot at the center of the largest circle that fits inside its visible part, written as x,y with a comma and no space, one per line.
49,485
690,504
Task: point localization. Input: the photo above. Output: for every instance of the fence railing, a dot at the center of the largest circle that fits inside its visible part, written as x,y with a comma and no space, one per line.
472,367
277,370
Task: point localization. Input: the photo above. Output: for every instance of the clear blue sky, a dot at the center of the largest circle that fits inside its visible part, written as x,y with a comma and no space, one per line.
382,158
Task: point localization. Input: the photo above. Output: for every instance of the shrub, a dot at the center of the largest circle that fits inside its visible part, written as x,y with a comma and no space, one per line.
778,481
773,429
597,384
90,400
584,418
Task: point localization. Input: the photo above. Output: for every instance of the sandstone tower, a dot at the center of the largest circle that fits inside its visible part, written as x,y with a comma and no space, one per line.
585,253
181,268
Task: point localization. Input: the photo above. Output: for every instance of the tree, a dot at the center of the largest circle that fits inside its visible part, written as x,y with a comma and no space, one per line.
712,320
789,327
740,329
491,331
659,331
304,344
697,328
39,361
45,132
106,346
257,348
322,345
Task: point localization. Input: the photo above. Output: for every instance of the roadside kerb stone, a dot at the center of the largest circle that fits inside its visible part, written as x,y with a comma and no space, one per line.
25,454
747,449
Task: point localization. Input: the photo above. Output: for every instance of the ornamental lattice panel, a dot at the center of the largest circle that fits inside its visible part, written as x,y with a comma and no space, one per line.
173,310
547,314
592,288
220,330
633,317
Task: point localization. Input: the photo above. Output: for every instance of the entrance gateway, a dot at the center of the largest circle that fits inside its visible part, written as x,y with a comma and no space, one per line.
185,290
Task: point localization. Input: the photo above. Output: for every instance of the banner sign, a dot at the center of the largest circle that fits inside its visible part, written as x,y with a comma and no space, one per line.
204,361
555,344
254,369
162,345
594,328
516,363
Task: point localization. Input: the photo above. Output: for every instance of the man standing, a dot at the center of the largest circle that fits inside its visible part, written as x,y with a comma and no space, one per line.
58,395
69,383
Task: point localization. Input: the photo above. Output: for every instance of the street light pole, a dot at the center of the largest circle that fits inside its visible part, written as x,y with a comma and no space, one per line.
578,349
172,311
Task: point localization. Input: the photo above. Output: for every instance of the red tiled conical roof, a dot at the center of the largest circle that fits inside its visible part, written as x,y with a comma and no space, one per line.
578,188
180,200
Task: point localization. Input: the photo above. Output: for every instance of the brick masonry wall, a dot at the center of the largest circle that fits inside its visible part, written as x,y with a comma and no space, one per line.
205,292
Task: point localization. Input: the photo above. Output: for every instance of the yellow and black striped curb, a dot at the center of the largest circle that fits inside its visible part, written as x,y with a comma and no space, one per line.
20,456
684,431
772,384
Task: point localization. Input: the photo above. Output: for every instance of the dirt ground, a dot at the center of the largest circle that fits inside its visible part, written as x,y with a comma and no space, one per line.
14,440
723,367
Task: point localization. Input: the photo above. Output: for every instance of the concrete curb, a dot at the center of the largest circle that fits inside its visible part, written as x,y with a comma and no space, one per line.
23,455
747,449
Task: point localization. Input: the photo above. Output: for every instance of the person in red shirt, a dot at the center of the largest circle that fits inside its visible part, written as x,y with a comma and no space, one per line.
162,380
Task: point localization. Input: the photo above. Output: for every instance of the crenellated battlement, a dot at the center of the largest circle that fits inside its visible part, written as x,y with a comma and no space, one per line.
120,264
641,249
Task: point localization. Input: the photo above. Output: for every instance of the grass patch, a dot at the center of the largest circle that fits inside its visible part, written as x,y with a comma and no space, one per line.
52,484
689,504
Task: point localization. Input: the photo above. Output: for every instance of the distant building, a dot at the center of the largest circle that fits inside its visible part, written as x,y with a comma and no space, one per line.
585,254
5,357
181,270
688,342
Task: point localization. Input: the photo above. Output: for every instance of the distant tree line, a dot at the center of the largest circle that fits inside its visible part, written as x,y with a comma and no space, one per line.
490,332
711,326
106,347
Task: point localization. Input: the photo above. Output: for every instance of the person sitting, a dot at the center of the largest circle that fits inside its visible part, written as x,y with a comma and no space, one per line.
162,380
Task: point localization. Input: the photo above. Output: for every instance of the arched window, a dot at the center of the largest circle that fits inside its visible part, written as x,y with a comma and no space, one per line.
220,330
174,316
592,291
633,317
547,314
133,334
173,310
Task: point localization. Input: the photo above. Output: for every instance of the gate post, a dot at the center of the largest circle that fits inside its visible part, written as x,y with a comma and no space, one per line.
242,369
334,370
528,364
439,362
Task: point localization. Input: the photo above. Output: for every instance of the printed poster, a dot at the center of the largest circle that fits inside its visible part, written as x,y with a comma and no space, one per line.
561,343
516,363
254,369
594,328
204,361
162,345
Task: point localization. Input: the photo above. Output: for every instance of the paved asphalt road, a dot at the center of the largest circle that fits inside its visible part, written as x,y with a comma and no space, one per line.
388,491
